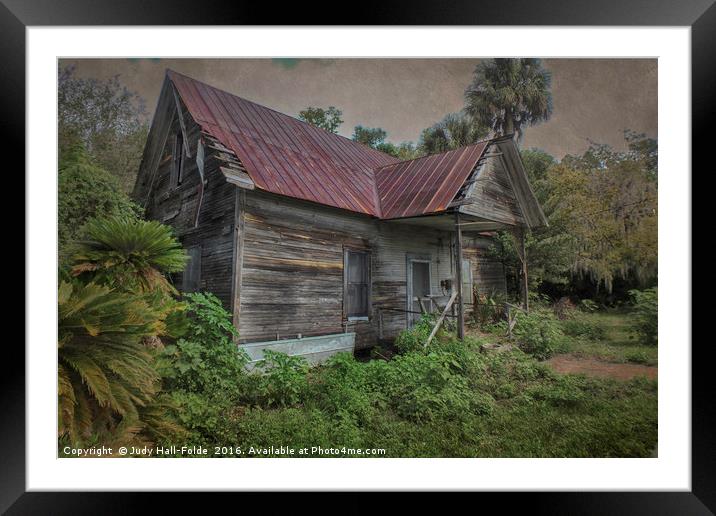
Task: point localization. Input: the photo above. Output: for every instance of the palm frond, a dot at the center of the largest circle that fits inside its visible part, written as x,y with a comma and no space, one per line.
105,374
130,254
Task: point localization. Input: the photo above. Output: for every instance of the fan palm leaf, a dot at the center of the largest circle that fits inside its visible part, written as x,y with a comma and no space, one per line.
507,95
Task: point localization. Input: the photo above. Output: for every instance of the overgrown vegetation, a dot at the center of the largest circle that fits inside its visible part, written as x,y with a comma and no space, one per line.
109,121
415,339
453,400
607,335
537,333
602,212
85,190
115,305
647,314
105,373
204,371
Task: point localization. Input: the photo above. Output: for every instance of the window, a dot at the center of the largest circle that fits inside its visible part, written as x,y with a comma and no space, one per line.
192,273
356,283
178,160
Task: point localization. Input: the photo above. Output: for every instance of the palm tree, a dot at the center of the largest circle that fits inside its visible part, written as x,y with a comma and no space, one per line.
453,131
129,254
507,95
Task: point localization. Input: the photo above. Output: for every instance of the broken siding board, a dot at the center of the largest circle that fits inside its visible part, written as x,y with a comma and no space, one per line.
238,177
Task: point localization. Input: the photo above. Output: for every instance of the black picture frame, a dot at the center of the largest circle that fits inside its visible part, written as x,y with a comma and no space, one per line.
700,15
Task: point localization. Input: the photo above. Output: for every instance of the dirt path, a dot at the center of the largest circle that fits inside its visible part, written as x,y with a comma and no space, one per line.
592,367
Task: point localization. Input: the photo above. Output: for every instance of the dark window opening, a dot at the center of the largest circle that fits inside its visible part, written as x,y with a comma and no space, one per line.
178,159
356,277
192,273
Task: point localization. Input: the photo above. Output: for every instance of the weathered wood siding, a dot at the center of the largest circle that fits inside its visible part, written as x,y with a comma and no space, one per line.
177,207
492,195
292,268
488,274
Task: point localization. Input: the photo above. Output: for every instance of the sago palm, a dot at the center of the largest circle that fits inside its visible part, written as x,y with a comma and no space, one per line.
106,376
130,254
507,95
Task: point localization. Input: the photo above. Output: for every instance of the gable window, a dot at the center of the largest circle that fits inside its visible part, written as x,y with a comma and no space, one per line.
178,164
356,284
192,273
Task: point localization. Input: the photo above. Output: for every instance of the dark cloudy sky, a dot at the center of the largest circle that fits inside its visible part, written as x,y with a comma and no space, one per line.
594,99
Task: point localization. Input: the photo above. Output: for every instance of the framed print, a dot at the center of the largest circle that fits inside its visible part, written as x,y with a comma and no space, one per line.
427,254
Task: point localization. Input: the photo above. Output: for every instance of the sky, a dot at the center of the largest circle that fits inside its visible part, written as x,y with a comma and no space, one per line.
593,99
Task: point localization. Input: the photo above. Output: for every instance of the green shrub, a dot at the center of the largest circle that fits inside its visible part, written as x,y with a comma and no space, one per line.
106,376
209,418
537,333
129,253
347,389
564,309
204,371
414,339
431,386
487,308
637,356
646,311
284,381
582,328
206,360
588,306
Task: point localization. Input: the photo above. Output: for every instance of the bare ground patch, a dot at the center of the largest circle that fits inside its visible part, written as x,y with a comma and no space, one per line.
570,364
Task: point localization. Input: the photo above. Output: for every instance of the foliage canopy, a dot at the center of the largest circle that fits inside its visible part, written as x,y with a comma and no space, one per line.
507,95
107,119
328,118
453,131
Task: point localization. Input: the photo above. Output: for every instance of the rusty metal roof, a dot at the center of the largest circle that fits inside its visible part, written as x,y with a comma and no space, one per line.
286,156
425,185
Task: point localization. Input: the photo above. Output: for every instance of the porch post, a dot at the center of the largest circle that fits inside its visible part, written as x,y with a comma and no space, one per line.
458,275
525,294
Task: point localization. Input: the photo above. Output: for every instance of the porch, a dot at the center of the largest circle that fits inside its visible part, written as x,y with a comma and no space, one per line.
456,292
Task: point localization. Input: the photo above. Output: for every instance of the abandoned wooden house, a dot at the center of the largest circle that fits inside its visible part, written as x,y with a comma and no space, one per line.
314,242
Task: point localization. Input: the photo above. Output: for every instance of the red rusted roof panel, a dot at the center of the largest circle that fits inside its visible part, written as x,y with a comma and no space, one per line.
289,157
284,155
425,185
